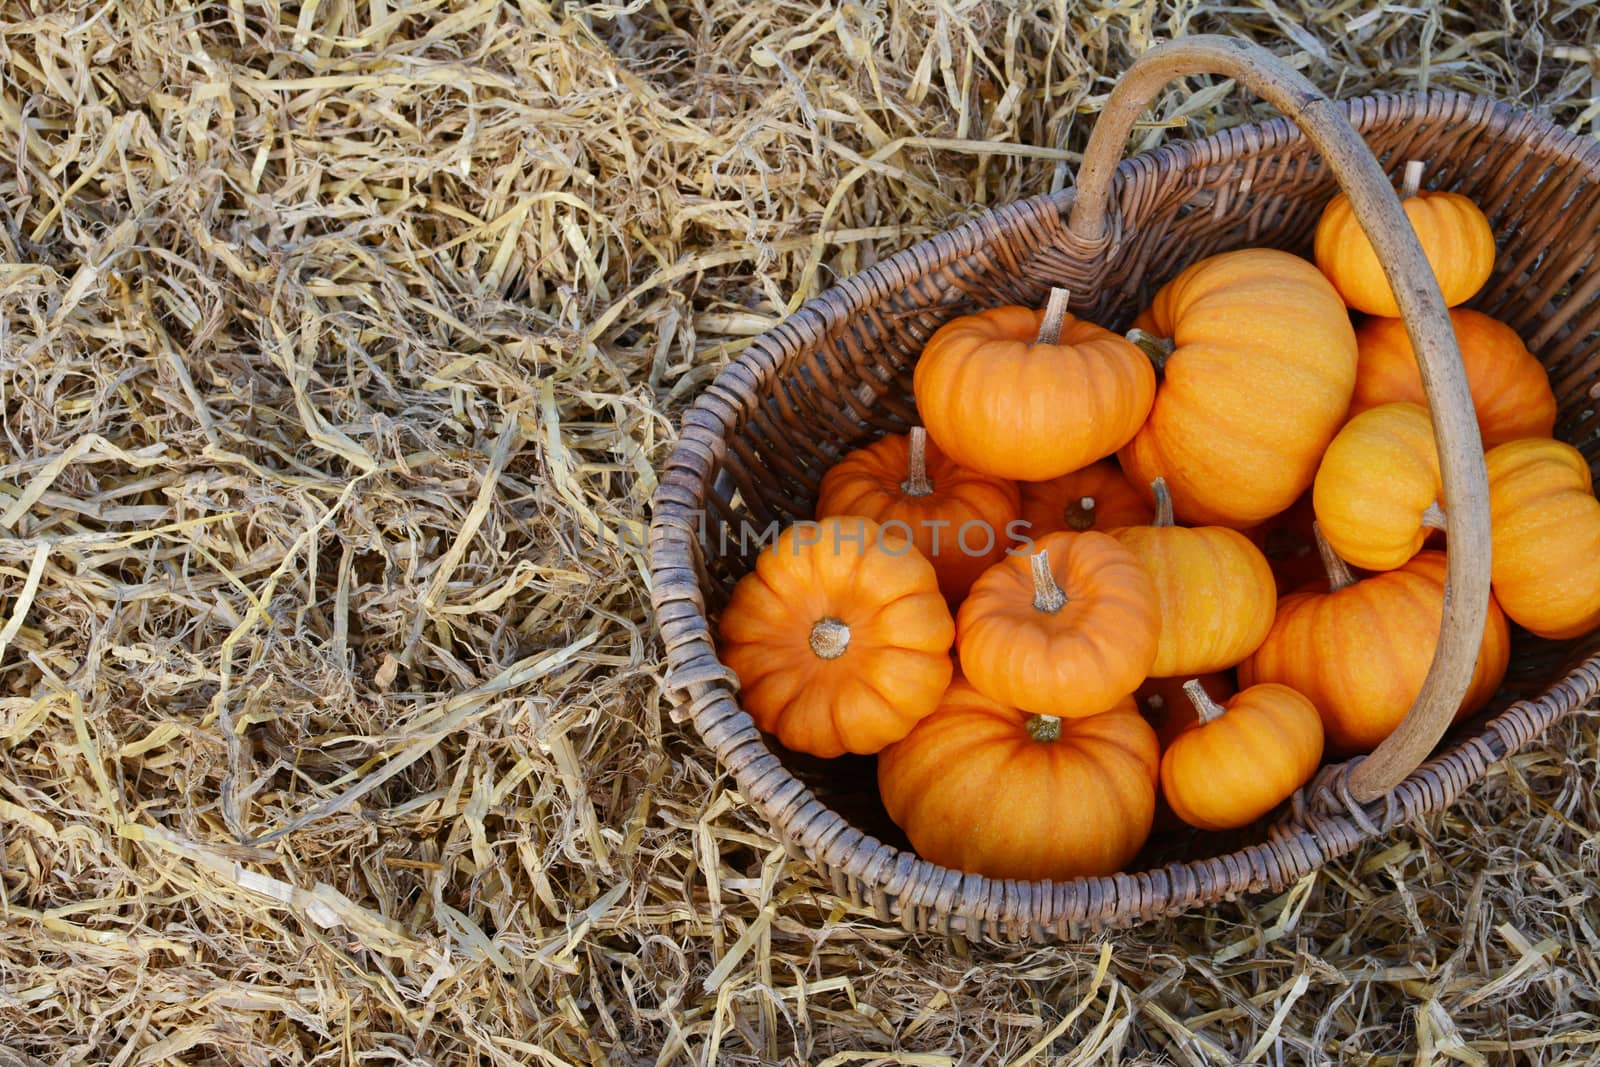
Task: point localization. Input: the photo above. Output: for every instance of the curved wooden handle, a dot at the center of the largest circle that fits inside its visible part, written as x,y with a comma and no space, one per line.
1455,427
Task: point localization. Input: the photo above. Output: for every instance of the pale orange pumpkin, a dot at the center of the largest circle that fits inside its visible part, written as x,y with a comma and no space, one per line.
1453,232
1214,590
1169,710
959,519
1243,758
1545,525
1510,390
1360,650
1262,365
1098,497
984,787
840,637
1070,630
1377,491
1003,394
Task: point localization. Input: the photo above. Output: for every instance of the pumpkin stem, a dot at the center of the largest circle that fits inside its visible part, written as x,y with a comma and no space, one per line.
1047,595
1434,516
1338,570
1163,502
830,638
1208,710
1044,727
1055,313
917,483
1080,514
1411,179
1158,349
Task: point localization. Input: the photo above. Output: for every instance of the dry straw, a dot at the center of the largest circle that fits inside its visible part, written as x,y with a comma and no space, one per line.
338,344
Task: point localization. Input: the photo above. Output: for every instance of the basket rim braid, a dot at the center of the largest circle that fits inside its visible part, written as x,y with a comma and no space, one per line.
1073,236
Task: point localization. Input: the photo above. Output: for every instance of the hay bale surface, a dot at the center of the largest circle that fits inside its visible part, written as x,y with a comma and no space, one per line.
338,343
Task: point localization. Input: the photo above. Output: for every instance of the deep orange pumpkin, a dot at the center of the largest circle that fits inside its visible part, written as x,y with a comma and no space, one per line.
1545,525
1257,383
985,787
840,637
1069,630
1098,497
958,518
1001,401
1377,491
1510,390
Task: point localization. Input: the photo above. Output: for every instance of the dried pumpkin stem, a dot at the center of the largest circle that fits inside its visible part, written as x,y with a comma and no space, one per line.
1079,514
1208,710
1158,349
1337,569
917,483
1411,179
1044,727
1163,502
1055,313
829,638
1434,516
1047,595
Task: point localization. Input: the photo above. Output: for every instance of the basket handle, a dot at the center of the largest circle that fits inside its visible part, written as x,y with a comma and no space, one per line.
1377,208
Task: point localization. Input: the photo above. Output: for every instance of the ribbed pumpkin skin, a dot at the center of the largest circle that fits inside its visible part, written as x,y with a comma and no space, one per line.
1258,384
1169,711
1057,504
1454,234
1234,769
1376,480
1545,526
1510,390
975,792
1360,654
950,525
1078,661
998,403
895,667
1215,595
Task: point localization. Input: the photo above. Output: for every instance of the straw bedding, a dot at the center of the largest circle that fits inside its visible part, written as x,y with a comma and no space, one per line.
339,342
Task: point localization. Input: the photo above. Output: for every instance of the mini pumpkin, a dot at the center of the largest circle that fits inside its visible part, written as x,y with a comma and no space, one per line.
1510,390
1214,591
840,637
1068,631
1098,497
1168,709
1545,526
1261,367
1453,232
984,787
1024,394
959,519
1360,650
1377,491
1243,757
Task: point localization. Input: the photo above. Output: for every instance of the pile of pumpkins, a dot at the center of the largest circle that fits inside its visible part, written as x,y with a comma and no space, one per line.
1098,528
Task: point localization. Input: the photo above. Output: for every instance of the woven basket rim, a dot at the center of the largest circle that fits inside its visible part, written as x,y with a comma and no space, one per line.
704,690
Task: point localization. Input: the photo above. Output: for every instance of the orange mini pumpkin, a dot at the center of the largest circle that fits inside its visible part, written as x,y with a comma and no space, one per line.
1262,365
1069,631
1243,758
958,518
1453,232
984,787
1098,497
840,637
1005,393
1377,490
1214,589
1360,650
1510,390
1545,525
1168,709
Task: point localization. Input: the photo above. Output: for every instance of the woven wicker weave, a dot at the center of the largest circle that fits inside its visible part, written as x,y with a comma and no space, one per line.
837,374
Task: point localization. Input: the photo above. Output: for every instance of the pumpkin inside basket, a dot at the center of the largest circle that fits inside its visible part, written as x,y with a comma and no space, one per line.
837,375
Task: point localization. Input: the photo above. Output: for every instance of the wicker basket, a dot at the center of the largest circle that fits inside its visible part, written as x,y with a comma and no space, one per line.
837,374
